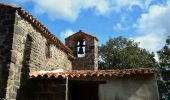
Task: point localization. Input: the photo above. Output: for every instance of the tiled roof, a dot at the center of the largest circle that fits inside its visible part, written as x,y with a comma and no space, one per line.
93,73
81,32
42,29
9,5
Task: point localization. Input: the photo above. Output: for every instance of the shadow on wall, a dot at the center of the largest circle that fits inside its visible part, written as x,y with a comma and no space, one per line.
25,66
138,88
6,35
117,97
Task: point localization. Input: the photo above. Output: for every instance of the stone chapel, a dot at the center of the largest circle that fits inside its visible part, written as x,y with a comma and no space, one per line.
36,65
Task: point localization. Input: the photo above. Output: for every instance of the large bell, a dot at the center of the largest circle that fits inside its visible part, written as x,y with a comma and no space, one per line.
80,51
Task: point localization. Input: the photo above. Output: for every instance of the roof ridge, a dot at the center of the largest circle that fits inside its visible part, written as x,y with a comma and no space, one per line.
10,5
80,31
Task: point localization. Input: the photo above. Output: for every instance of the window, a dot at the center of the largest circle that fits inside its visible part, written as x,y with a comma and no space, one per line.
27,50
47,50
81,48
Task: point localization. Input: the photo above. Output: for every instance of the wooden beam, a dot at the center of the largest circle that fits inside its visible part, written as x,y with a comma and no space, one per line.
66,91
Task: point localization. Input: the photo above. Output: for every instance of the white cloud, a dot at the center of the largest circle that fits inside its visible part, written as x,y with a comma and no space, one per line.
129,3
66,34
119,27
153,27
69,10
156,20
151,42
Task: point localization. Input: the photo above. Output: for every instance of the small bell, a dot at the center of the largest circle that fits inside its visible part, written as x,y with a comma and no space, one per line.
80,50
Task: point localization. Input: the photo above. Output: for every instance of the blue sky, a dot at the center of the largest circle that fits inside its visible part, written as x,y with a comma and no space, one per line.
145,21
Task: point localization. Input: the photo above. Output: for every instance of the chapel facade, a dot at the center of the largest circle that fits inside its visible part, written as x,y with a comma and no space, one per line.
36,65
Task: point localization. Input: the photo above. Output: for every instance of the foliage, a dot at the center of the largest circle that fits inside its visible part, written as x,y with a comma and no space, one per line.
121,53
164,54
164,79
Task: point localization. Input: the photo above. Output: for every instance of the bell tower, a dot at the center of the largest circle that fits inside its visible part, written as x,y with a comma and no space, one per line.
85,49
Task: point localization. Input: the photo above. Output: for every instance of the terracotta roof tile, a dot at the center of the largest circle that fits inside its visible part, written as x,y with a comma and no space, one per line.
9,5
98,73
84,34
42,29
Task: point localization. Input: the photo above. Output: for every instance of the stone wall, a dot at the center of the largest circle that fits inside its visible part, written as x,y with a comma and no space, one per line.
6,34
43,89
38,60
29,53
90,61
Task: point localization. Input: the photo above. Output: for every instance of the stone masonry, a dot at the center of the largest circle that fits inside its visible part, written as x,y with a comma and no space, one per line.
38,60
26,47
6,33
43,89
90,61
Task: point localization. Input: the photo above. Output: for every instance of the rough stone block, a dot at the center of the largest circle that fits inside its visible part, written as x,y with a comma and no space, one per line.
18,30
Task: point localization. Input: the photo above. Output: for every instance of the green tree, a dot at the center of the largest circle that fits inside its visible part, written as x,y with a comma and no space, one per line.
122,53
164,54
163,78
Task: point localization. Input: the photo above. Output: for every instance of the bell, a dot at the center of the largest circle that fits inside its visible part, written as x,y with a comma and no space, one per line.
80,50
